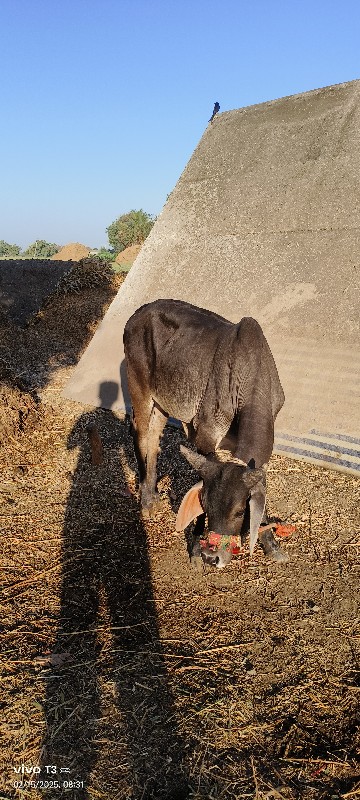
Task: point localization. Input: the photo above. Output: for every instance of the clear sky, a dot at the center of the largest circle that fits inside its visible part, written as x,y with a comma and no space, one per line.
104,101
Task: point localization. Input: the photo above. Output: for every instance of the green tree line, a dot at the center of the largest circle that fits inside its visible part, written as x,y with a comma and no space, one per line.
128,229
39,249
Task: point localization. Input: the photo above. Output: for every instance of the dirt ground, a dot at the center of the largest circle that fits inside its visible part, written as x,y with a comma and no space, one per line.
126,674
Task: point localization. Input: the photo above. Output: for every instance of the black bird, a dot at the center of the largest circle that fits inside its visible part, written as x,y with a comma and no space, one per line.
216,109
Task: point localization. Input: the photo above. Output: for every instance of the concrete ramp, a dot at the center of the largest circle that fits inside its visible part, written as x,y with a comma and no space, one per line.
264,222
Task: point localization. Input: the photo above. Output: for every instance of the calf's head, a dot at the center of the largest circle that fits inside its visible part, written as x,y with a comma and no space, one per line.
223,493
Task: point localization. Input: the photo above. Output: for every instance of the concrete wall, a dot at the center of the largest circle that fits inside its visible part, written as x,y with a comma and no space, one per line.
264,221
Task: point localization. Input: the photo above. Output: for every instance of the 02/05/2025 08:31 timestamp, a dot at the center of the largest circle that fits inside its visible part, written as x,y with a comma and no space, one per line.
44,784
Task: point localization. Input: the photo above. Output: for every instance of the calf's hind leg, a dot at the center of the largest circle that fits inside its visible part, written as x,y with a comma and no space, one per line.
139,430
142,404
156,426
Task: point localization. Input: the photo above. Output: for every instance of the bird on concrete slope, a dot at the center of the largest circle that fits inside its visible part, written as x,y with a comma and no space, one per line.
216,109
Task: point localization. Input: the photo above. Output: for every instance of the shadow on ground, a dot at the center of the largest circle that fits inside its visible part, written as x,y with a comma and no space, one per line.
109,674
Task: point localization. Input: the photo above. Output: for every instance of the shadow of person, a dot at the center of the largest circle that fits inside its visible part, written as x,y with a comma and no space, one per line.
110,714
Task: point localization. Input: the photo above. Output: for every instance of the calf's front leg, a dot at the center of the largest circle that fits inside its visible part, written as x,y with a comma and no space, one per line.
271,547
196,535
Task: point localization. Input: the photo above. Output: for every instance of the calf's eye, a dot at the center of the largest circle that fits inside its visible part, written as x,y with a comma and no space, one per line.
239,513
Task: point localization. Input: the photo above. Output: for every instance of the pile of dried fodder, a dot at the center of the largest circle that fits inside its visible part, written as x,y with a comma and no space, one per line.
58,333
129,674
73,251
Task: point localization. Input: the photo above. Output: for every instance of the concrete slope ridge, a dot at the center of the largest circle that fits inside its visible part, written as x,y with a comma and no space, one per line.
264,222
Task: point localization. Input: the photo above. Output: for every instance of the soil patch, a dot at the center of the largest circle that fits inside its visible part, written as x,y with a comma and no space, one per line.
137,675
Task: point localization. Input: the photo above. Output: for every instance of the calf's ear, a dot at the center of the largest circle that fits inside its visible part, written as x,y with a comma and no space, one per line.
252,477
190,507
255,480
257,508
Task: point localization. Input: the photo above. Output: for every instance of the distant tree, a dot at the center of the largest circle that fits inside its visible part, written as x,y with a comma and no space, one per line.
9,250
106,254
41,249
131,228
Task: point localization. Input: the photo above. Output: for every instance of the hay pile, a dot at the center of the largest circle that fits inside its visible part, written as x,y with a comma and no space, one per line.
58,333
141,677
88,273
71,252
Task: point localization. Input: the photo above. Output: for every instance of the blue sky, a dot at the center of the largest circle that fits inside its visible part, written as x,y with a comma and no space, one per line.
104,101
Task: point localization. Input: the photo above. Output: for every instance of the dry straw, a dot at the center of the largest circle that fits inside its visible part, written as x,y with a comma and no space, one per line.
121,663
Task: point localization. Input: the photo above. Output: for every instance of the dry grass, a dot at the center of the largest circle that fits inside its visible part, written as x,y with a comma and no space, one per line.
121,664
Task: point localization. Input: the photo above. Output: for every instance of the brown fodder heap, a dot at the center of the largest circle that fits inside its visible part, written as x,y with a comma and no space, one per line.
128,255
71,252
56,335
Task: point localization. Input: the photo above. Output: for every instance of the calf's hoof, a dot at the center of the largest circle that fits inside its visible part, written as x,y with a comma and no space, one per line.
150,501
280,556
272,548
196,563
